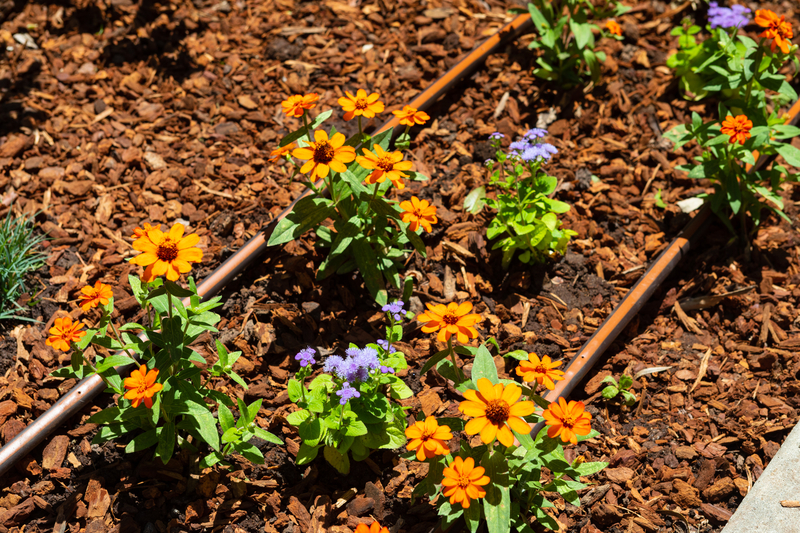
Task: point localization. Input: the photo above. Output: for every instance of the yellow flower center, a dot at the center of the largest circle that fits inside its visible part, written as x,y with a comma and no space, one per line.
323,153
167,250
540,370
385,163
362,103
497,411
463,480
568,422
451,319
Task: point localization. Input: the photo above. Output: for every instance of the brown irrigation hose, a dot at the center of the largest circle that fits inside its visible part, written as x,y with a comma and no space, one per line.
88,388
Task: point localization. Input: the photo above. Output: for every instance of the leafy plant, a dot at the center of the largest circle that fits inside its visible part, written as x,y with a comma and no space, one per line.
19,255
623,387
527,218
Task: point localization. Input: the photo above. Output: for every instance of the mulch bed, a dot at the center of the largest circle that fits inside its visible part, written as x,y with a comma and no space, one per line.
155,112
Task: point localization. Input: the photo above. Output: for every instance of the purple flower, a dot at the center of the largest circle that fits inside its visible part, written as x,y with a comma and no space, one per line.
306,356
543,150
346,393
386,346
333,365
395,308
519,146
735,16
387,370
496,136
535,133
352,352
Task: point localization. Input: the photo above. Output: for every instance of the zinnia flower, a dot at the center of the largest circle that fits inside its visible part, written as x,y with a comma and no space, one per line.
410,116
428,438
418,213
463,481
140,232
613,27
295,106
325,154
777,29
142,386
496,411
449,320
567,420
375,527
384,165
166,253
281,151
737,127
91,297
360,104
542,371
63,332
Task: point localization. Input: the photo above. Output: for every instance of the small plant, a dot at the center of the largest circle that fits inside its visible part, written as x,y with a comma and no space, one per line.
566,38
366,231
345,410
19,255
622,388
165,401
527,218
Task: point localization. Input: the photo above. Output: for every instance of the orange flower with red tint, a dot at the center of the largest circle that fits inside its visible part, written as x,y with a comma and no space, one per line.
496,411
295,105
91,297
542,371
63,332
777,29
325,155
140,232
375,527
567,420
614,28
360,104
281,151
428,438
449,320
737,127
142,386
463,481
410,116
166,253
418,213
384,165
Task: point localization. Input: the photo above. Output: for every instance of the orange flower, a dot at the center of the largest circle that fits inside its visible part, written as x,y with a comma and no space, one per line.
140,232
541,371
360,104
428,438
410,116
281,151
567,420
375,527
141,386
418,213
737,127
295,105
449,320
166,253
777,29
496,411
64,332
385,165
91,297
464,481
614,28
324,154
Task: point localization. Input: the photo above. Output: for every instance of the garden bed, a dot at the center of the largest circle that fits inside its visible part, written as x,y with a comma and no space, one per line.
170,113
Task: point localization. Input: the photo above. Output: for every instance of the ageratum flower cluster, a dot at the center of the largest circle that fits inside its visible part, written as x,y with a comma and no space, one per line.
529,150
735,16
357,367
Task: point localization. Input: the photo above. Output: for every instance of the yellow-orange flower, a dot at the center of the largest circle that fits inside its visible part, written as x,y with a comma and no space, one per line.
613,27
63,332
140,232
777,28
384,165
496,411
91,297
281,151
567,420
463,481
166,253
737,127
295,105
325,154
428,438
449,320
542,371
410,116
375,527
360,104
418,213
142,386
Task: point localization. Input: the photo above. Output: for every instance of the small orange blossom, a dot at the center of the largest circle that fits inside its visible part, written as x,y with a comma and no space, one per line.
140,232
614,28
91,297
281,151
410,116
449,320
463,481
567,420
737,127
325,155
360,104
63,332
418,213
496,411
428,438
166,253
375,527
142,386
777,29
295,105
384,165
542,371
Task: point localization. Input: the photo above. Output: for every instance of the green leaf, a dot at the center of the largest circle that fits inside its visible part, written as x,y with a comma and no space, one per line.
226,420
587,469
355,428
610,392
338,460
789,153
142,442
472,516
307,214
625,381
433,361
295,390
483,366
166,442
365,259
176,290
475,200
497,503
306,454
266,435
250,452
296,418
322,117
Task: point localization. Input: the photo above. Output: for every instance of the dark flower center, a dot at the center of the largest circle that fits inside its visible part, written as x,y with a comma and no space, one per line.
323,153
497,411
385,163
540,370
568,422
167,251
463,481
451,319
361,103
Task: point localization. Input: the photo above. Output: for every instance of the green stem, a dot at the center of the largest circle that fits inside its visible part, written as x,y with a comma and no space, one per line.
757,66
374,195
169,304
119,337
459,373
308,132
360,131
